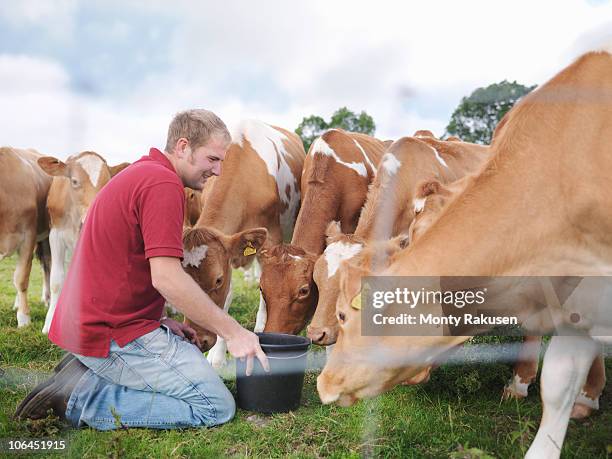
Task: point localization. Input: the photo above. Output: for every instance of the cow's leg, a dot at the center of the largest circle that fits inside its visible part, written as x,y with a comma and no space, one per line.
21,279
566,364
262,315
216,356
525,369
43,253
58,255
588,398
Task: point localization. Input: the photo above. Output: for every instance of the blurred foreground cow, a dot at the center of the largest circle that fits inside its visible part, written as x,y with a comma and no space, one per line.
338,170
550,170
257,194
24,222
75,185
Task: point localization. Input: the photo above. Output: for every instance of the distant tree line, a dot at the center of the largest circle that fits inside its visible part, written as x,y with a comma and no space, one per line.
473,120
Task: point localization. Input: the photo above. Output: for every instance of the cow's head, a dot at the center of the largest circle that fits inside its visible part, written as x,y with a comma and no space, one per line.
208,257
323,328
86,174
344,249
365,366
288,288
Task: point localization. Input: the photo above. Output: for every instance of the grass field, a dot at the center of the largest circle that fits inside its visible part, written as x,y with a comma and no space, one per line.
458,414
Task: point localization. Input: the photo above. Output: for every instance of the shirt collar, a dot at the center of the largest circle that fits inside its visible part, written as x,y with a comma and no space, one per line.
158,156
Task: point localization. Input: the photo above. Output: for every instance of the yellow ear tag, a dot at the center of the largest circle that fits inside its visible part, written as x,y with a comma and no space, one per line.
249,249
356,303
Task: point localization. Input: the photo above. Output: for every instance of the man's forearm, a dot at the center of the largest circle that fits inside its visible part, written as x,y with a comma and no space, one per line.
180,290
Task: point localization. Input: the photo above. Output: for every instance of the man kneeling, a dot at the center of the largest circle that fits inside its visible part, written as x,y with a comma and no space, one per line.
130,367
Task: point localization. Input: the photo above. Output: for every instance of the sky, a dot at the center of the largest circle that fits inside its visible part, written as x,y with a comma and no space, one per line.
109,75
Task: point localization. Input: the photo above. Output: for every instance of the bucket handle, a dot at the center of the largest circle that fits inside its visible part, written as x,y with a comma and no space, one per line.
287,358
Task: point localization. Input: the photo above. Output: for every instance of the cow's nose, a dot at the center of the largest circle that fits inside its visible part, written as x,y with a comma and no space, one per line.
316,335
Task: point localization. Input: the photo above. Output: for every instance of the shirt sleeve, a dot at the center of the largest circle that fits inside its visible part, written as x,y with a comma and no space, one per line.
160,209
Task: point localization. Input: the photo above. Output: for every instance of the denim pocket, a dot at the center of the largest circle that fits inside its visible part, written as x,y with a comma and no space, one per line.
159,343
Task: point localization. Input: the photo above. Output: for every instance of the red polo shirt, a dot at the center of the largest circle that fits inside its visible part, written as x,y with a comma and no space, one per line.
108,292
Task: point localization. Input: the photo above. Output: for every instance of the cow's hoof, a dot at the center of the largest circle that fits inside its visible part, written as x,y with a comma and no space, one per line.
515,389
511,393
580,411
217,361
23,320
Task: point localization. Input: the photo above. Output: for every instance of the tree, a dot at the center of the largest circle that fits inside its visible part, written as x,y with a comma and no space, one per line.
313,126
475,118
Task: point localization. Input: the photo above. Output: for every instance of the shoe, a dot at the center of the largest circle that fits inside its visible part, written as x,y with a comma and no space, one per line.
52,394
65,361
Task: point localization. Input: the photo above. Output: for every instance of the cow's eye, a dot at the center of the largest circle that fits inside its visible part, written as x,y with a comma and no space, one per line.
74,182
219,282
341,317
303,291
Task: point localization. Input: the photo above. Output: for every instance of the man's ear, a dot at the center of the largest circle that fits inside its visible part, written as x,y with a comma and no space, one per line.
114,170
53,166
179,147
244,246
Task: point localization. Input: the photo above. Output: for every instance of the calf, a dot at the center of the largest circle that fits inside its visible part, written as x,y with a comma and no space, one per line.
392,203
24,222
338,170
259,187
75,185
209,256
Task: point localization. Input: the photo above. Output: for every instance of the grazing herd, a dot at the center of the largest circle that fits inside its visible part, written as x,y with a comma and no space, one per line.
534,202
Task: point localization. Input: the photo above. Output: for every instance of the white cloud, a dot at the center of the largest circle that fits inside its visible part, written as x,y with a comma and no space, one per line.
279,61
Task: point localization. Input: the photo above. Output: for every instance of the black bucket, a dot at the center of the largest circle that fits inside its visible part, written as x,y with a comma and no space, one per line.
280,390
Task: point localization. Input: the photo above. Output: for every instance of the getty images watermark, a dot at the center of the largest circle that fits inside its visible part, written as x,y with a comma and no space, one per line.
470,305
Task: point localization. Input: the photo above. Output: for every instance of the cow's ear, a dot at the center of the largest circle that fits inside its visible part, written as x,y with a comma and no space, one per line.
350,279
244,246
428,188
402,241
114,170
53,166
333,230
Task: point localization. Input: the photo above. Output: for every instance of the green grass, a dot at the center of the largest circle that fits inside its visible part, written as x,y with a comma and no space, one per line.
458,414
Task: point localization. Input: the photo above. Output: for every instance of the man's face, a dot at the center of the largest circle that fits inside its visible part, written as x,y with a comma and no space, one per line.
203,162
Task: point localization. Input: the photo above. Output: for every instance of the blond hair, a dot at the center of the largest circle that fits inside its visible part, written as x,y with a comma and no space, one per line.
197,126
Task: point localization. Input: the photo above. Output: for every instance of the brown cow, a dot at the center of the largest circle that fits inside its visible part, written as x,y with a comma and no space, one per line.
435,196
75,184
338,170
520,216
23,220
392,203
259,187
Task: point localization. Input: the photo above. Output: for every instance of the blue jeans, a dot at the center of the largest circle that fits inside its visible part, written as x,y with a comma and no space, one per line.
158,381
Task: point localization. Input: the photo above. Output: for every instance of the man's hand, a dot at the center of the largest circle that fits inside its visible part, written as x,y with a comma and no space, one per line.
246,344
182,330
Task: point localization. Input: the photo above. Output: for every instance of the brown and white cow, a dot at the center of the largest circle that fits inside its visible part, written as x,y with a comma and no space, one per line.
338,170
392,203
24,222
259,187
75,185
541,206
